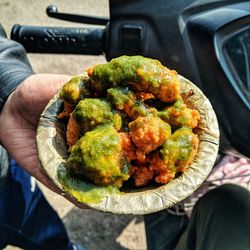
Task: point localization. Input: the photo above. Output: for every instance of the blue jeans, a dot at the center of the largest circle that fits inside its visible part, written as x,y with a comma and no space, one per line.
26,218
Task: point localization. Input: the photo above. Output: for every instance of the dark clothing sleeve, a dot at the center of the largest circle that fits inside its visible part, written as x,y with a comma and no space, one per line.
14,66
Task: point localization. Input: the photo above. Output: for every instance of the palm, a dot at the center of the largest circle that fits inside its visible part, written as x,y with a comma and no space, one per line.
19,119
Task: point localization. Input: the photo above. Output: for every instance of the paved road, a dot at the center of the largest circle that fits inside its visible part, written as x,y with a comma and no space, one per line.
95,230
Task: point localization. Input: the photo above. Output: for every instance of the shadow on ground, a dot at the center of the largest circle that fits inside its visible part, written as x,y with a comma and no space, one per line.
97,230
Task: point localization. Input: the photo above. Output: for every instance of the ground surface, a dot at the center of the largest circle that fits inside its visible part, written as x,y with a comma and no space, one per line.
95,230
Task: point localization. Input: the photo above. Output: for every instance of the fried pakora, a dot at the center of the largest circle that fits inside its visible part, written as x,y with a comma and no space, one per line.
148,133
144,74
91,112
75,90
98,157
128,119
179,115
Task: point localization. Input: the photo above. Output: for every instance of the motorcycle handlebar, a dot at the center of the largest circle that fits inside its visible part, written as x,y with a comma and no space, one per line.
59,40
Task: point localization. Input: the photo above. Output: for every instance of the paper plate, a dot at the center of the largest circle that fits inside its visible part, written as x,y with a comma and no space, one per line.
52,151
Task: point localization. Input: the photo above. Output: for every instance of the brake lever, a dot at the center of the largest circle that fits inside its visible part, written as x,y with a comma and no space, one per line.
52,11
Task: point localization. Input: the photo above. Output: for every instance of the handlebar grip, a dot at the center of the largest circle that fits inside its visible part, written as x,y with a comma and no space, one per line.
59,40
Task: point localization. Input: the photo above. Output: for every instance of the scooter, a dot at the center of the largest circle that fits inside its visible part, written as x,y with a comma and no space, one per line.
207,41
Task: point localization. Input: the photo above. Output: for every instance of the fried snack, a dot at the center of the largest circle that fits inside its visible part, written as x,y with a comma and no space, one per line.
175,156
128,119
144,74
97,157
72,133
179,151
124,99
75,90
148,133
179,115
142,175
67,110
128,147
91,112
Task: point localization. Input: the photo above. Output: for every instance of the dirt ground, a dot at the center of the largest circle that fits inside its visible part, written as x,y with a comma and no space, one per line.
94,230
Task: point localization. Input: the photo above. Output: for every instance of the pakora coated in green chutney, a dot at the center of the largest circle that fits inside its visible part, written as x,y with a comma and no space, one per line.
125,99
178,150
91,112
98,157
75,90
144,74
128,120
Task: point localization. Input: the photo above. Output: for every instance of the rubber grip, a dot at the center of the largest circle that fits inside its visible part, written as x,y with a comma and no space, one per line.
59,40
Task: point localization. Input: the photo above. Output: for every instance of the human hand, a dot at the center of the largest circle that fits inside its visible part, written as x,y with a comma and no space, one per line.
19,119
